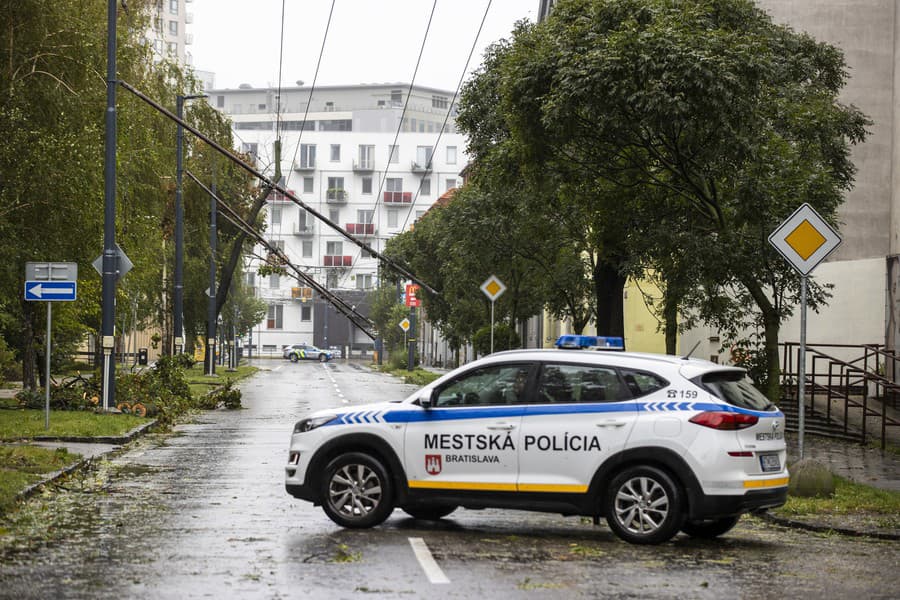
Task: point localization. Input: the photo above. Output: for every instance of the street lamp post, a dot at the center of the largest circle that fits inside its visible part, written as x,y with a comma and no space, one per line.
178,326
211,307
108,323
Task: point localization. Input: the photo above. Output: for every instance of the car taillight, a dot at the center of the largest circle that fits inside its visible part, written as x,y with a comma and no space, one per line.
725,420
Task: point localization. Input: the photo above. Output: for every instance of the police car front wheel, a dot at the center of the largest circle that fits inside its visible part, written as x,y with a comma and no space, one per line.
357,491
644,506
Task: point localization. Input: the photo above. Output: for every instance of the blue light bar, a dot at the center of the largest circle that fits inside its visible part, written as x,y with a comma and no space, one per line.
594,342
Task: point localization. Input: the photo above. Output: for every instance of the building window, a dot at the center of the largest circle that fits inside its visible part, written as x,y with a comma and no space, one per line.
450,184
335,152
308,185
425,188
423,156
173,27
419,214
172,47
306,313
365,216
278,245
397,98
275,318
393,154
274,281
307,249
329,107
173,7
275,218
393,184
220,101
307,156
251,149
439,102
367,157
158,24
336,188
334,248
393,218
158,46
250,278
451,155
331,279
364,282
366,185
334,215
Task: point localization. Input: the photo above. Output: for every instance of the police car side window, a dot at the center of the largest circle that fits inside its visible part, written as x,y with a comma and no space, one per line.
488,386
641,383
579,383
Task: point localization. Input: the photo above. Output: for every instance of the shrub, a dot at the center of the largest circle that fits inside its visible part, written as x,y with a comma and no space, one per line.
505,338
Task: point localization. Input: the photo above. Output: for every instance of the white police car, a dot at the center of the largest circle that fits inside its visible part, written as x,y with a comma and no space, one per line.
655,444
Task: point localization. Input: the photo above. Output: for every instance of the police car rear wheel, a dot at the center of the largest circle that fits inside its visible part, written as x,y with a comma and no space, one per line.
357,491
710,528
294,358
322,358
428,513
644,506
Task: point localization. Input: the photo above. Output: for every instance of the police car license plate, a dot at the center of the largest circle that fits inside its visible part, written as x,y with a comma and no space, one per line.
770,463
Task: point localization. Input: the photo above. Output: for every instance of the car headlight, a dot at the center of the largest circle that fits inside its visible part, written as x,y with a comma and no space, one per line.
304,425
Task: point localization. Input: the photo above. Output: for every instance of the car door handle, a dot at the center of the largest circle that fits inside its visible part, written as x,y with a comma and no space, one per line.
611,423
502,427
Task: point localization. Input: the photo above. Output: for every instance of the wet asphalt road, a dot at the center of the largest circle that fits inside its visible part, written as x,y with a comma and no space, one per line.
202,513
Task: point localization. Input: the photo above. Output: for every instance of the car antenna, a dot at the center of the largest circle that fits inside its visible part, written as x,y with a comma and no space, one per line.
688,355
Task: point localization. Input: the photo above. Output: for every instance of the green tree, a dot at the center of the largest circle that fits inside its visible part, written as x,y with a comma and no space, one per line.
705,108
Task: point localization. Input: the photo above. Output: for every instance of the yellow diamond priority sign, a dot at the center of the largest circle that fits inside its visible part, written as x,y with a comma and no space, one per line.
493,288
804,239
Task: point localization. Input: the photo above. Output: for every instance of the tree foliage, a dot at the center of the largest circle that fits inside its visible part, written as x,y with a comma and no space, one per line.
684,132
52,104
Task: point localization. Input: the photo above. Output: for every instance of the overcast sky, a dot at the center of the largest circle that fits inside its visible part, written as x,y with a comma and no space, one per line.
369,41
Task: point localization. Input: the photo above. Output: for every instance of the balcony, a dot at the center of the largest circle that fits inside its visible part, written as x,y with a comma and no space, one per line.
336,195
276,196
363,166
303,229
420,168
337,261
274,295
305,165
361,228
397,197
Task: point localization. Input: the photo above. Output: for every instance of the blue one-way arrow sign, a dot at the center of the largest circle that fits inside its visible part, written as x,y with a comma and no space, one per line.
51,291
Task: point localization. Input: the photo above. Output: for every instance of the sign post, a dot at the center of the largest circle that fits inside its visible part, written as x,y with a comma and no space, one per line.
50,282
493,288
804,239
413,302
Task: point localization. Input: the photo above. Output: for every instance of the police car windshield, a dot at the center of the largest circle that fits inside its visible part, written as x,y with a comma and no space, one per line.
735,388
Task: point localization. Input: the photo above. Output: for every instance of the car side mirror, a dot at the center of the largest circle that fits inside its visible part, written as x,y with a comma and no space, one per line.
429,401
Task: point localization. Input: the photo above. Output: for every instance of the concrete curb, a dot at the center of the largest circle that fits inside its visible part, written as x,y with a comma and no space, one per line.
819,528
119,441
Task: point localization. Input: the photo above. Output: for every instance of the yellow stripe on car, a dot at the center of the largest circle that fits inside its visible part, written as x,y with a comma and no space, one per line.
764,483
499,487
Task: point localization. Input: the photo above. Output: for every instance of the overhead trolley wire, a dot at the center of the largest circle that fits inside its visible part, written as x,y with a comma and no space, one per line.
455,96
402,115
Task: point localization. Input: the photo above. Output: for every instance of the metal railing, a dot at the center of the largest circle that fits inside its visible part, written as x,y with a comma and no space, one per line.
858,385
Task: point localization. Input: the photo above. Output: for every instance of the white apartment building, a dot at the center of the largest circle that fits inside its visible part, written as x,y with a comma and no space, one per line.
168,35
352,154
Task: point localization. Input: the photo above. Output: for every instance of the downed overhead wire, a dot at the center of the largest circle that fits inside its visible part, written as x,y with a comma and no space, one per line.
358,319
275,186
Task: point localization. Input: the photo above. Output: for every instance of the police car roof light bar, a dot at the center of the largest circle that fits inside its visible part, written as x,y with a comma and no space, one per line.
590,342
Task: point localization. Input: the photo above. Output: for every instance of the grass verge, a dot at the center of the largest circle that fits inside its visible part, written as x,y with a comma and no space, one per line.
849,499
201,384
415,377
21,466
28,423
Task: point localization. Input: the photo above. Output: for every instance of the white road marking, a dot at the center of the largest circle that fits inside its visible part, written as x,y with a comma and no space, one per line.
278,368
427,562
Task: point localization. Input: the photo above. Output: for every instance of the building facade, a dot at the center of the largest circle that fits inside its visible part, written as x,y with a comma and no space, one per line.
168,34
371,159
